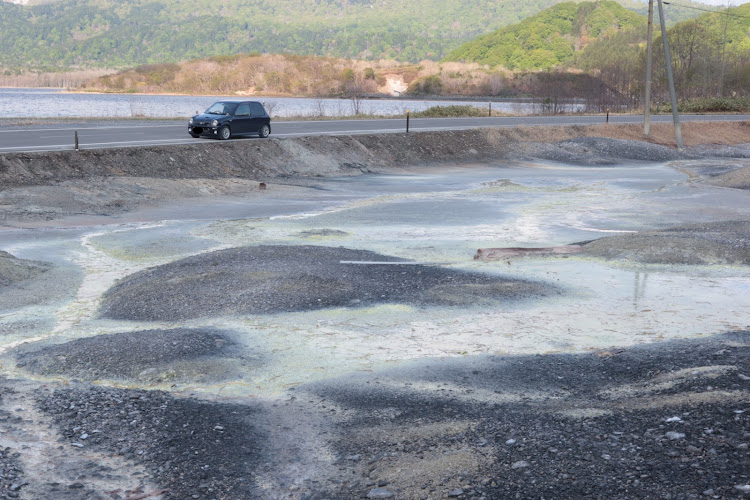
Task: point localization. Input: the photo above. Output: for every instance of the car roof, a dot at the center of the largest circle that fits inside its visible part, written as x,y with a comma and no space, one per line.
238,102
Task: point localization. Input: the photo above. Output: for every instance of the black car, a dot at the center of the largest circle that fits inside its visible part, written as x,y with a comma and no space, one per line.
225,119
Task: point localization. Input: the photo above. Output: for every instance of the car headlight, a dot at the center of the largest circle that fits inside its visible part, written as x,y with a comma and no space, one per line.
215,123
190,122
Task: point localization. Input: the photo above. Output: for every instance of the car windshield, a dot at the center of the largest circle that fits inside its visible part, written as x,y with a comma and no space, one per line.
222,108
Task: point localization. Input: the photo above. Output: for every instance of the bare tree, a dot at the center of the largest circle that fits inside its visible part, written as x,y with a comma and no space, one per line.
355,87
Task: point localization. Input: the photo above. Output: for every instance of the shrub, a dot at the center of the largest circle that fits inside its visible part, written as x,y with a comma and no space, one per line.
450,111
715,105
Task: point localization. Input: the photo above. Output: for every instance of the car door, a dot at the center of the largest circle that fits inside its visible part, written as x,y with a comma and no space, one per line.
258,116
241,124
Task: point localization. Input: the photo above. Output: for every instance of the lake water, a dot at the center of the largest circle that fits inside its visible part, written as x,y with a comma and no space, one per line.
56,103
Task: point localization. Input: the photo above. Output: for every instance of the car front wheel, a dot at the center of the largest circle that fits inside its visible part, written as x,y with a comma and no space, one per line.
264,131
225,133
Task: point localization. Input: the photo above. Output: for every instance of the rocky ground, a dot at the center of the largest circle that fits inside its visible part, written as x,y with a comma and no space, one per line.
49,186
271,279
668,420
710,243
660,421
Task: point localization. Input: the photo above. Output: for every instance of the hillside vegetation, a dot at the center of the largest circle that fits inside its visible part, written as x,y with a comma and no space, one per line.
310,76
68,34
710,54
550,38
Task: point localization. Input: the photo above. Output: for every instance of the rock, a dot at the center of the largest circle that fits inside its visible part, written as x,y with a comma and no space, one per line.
379,493
709,492
520,464
744,488
674,435
456,493
510,442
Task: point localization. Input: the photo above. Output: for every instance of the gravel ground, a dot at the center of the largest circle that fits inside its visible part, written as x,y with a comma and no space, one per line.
194,449
272,279
709,243
600,151
656,421
667,420
144,357
43,187
671,421
11,470
13,270
737,179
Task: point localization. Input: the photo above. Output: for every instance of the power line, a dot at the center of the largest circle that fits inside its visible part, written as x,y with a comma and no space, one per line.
724,12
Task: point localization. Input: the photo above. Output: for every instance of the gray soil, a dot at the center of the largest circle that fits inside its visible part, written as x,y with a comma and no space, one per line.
737,179
670,420
599,151
145,357
49,186
13,270
709,243
272,279
660,421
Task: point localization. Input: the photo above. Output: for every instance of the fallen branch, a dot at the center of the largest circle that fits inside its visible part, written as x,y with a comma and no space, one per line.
503,253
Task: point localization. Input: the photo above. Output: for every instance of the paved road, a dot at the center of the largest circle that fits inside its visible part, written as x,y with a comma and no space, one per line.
132,133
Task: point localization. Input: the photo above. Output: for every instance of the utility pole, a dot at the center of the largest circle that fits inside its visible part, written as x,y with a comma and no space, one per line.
670,78
647,99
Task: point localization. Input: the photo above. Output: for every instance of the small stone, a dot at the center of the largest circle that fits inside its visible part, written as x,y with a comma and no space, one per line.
674,435
673,419
510,442
693,449
77,445
354,458
379,493
744,488
456,493
607,456
520,464
84,436
744,377
76,486
218,428
709,492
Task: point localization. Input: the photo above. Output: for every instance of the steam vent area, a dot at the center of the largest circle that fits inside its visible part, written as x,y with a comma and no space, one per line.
550,312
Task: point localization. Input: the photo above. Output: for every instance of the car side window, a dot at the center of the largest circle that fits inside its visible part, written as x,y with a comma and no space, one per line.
257,109
243,109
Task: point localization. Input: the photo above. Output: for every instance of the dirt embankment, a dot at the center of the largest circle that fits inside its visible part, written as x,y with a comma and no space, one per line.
341,155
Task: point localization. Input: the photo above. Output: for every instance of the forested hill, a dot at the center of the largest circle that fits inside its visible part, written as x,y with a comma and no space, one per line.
550,38
123,33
